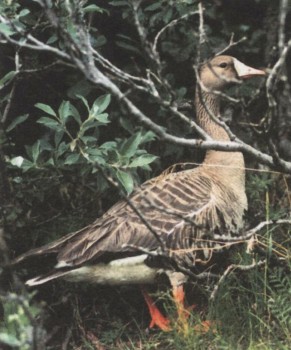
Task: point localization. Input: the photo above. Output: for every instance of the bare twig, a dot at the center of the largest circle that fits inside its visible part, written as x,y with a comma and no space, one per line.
232,268
231,44
249,234
273,76
171,24
282,20
202,34
9,103
274,153
152,55
118,72
66,339
12,92
166,256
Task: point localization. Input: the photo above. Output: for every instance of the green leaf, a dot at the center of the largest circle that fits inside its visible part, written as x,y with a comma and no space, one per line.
9,339
7,77
94,8
84,101
168,15
81,88
109,145
72,159
50,162
16,122
130,146
97,159
71,28
99,41
148,136
154,6
75,114
126,37
126,180
128,47
119,3
62,148
100,104
96,156
52,39
88,139
6,29
46,108
35,151
102,118
58,136
142,160
17,161
127,124
23,13
88,124
94,151
50,123
22,163
64,111
45,145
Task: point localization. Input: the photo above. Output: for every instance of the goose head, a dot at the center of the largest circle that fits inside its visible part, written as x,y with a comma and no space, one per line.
224,71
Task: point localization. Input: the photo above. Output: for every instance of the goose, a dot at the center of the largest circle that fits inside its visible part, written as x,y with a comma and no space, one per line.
178,211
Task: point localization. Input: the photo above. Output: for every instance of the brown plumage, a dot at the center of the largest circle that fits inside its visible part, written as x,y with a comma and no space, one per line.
184,208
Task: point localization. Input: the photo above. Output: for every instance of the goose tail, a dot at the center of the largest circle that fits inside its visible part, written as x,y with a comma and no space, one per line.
46,278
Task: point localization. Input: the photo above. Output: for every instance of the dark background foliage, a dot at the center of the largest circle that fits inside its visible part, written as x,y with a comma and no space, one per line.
48,187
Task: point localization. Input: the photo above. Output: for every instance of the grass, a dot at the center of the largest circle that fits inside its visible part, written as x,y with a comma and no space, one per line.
251,311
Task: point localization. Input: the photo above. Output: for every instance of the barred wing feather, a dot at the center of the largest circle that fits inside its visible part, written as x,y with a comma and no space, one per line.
180,207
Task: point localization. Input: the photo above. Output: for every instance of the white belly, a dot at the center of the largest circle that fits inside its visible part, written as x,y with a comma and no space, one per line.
131,270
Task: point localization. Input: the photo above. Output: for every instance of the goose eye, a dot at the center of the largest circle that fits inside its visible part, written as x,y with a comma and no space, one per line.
223,65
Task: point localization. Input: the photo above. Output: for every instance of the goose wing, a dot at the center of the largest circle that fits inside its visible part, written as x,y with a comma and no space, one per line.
172,206
179,207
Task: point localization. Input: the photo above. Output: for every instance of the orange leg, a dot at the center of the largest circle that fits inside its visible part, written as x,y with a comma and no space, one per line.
157,318
183,312
179,298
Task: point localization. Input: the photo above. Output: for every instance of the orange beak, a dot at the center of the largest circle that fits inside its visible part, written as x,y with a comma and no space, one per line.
246,72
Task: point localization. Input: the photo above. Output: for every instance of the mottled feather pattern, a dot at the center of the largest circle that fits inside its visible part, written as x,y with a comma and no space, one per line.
185,209
180,207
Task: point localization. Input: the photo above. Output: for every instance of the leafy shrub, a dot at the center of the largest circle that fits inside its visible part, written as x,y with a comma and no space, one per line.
20,328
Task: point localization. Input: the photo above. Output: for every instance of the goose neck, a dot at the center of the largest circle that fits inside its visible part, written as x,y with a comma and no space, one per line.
226,163
208,109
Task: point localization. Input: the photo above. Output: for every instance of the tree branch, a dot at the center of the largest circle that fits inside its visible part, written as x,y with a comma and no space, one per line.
232,268
86,65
